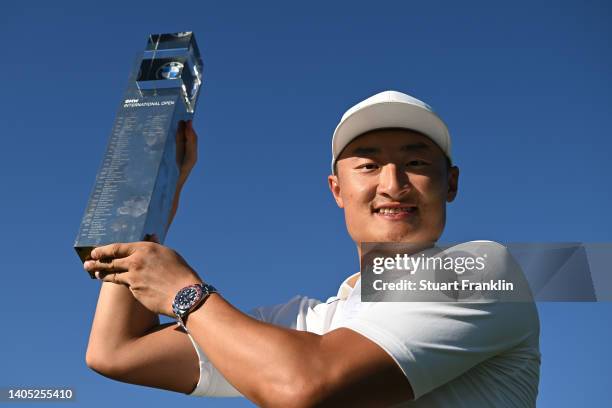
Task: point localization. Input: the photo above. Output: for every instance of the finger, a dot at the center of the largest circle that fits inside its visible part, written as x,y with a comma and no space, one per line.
152,238
191,136
118,278
106,266
116,250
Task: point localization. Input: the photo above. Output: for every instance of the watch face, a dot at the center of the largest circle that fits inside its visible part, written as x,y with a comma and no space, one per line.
188,297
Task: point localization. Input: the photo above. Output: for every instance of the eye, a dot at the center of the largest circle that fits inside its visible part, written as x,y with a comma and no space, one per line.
417,162
368,166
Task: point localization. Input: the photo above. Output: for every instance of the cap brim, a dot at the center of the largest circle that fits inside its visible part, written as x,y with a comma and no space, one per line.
390,115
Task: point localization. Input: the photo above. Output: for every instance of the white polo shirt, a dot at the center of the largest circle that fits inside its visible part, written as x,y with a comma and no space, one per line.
454,354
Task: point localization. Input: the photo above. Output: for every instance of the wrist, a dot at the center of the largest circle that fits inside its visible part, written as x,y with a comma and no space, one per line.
196,316
190,298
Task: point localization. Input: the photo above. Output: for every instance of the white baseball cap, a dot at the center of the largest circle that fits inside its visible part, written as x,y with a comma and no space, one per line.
390,109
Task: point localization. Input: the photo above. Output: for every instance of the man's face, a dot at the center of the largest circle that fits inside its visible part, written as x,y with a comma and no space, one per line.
393,185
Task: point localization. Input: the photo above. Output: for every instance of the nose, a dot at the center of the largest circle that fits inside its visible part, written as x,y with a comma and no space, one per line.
393,182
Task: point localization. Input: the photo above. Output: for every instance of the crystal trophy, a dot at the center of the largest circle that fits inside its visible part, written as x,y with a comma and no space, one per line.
134,188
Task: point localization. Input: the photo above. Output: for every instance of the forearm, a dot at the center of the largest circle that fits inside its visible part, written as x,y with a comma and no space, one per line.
174,208
175,202
266,363
128,344
119,318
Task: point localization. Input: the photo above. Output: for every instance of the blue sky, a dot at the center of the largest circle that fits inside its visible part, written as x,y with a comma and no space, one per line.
524,87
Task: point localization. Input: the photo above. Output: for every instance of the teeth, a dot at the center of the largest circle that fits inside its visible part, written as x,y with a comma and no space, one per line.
394,210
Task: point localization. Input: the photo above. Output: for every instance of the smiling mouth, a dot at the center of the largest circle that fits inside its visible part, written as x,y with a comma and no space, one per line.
396,213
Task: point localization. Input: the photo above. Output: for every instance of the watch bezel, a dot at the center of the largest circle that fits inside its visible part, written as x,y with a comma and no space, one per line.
202,292
177,306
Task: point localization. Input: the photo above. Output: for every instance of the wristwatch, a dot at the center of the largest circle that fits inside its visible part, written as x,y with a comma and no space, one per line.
188,299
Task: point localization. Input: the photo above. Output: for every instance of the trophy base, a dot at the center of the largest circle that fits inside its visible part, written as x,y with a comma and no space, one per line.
85,255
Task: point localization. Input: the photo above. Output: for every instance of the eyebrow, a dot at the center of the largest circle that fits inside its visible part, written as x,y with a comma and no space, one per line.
366,151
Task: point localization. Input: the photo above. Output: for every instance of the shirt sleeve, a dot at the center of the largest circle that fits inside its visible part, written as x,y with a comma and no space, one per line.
211,382
435,342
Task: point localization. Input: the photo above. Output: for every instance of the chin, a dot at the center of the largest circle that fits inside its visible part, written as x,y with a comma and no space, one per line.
396,237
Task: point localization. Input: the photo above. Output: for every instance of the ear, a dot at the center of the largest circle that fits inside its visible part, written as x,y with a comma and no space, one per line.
334,187
453,183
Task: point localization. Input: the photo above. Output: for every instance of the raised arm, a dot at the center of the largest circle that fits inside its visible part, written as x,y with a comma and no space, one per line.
270,365
165,360
280,367
120,320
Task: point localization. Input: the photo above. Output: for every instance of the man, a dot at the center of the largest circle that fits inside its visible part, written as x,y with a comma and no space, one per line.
392,174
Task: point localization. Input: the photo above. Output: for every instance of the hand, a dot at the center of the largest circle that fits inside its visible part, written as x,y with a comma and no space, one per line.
153,273
186,158
186,150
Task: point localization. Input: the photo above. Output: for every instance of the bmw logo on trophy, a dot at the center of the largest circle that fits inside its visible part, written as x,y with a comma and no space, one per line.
135,185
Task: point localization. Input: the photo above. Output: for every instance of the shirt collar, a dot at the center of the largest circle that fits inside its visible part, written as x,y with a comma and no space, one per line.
345,290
